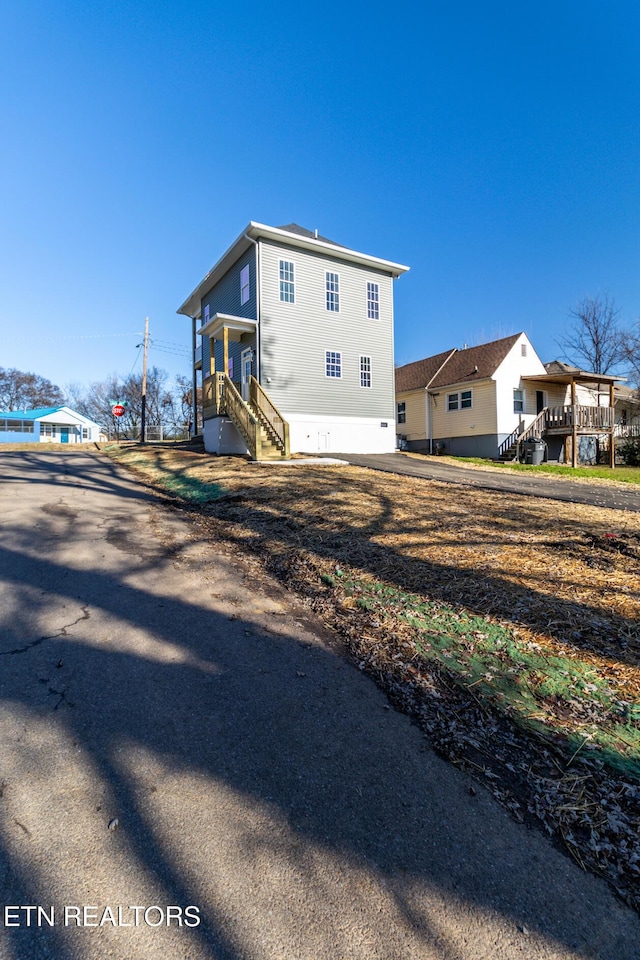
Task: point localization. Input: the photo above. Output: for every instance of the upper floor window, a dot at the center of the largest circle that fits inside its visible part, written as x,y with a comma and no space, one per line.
373,301
333,364
244,284
365,371
402,412
287,292
333,292
518,401
523,349
459,401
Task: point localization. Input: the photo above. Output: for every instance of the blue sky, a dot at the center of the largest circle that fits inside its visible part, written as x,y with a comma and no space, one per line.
494,148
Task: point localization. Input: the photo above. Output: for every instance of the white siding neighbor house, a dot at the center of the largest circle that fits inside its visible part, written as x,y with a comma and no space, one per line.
47,425
296,346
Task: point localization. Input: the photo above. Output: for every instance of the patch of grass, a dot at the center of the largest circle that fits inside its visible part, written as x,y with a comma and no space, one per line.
547,695
620,474
191,488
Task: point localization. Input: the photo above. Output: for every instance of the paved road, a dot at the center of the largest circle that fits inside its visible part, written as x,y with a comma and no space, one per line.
148,677
596,494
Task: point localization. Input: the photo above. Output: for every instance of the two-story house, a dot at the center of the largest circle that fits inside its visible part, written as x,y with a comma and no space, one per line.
296,346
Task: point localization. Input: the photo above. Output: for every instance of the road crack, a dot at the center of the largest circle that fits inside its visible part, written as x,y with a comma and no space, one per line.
62,632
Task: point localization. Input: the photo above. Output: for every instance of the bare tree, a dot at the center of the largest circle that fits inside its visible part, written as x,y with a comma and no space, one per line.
594,339
27,391
631,351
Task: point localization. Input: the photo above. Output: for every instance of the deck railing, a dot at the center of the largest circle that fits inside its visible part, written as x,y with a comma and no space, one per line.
580,416
275,424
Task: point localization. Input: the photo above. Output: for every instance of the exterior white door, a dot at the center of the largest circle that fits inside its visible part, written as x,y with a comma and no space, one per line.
245,373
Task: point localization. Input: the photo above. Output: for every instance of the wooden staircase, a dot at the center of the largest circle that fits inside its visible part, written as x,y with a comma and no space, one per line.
258,420
510,449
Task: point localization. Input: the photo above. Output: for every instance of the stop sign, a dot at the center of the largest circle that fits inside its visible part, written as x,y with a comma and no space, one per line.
117,410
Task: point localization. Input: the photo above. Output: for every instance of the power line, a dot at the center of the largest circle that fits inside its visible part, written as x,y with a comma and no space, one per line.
80,336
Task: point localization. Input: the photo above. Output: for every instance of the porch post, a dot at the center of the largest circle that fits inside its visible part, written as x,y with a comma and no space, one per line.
225,351
612,438
574,430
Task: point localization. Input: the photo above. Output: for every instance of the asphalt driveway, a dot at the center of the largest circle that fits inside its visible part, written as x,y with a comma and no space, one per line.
179,742
594,493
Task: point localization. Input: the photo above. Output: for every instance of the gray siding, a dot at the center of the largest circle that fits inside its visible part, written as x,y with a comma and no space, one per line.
225,298
295,337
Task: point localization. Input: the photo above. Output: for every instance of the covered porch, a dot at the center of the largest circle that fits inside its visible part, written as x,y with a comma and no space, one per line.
562,425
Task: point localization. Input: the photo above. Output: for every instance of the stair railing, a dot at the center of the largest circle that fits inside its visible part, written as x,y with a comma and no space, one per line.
276,426
230,402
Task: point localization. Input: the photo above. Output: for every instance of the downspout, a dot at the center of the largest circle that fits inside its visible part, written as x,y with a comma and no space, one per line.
258,283
429,422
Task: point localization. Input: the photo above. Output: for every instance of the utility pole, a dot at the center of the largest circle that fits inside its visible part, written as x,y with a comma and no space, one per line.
143,424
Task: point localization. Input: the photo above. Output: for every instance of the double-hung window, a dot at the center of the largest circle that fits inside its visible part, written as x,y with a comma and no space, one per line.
287,281
402,412
365,371
332,281
518,401
459,401
244,285
373,301
333,364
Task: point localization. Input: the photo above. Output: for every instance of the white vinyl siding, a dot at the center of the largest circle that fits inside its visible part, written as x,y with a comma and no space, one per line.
333,364
287,281
373,301
244,285
365,372
332,286
295,336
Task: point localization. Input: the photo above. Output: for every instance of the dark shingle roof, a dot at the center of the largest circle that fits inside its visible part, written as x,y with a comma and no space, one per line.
469,364
309,234
416,376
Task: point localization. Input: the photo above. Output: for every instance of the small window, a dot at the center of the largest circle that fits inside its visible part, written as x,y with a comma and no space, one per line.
287,293
85,433
402,412
518,401
206,313
244,284
373,301
333,364
523,348
365,371
459,401
333,292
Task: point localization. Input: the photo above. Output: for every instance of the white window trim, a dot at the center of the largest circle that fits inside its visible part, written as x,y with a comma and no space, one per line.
377,302
293,282
401,413
336,294
337,353
245,286
520,401
365,386
459,407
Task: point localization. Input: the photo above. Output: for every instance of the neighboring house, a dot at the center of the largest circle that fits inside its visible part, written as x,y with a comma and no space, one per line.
296,346
48,425
486,401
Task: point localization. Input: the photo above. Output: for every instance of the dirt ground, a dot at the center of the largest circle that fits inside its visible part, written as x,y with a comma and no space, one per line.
538,690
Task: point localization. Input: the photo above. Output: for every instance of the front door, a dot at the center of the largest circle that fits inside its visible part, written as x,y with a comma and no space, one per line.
64,434
245,373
